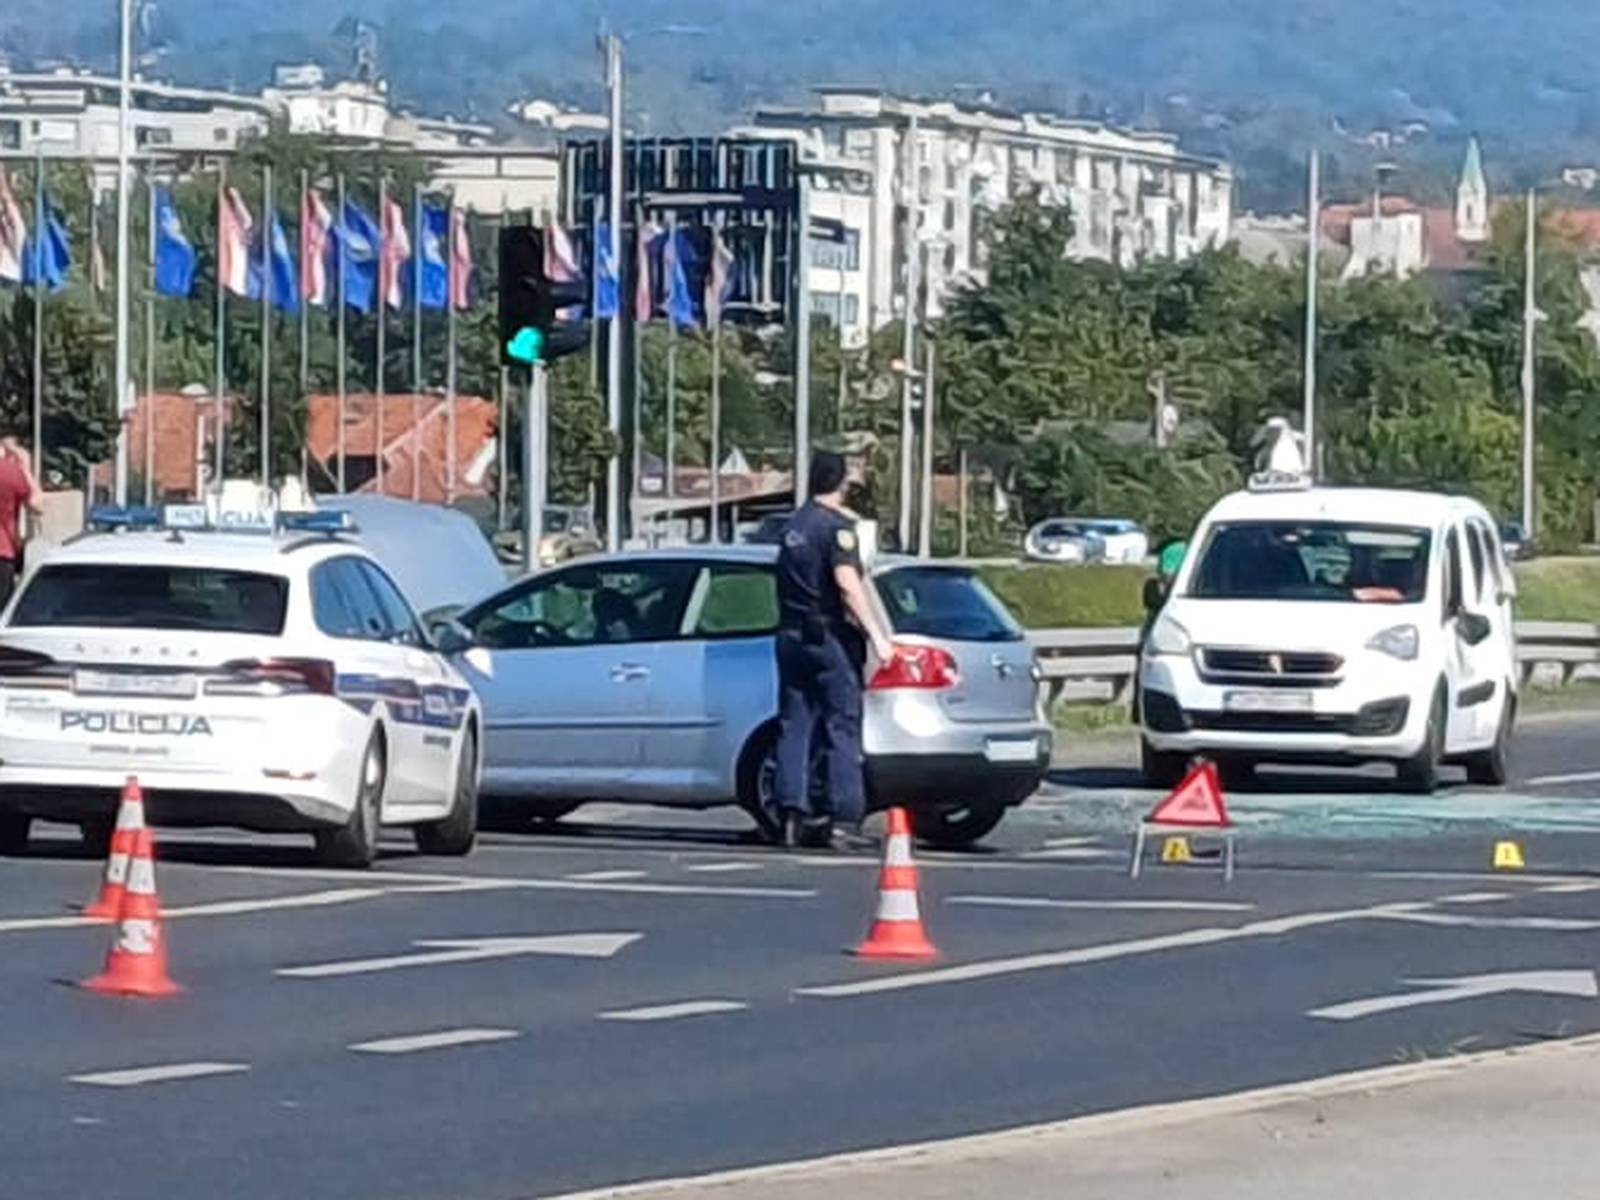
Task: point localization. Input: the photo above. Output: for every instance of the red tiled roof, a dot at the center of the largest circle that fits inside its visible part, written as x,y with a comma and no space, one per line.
415,433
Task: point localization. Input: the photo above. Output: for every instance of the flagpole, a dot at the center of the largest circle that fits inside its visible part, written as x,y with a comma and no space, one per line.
305,335
672,362
266,326
150,352
641,246
38,312
502,465
339,366
124,148
715,323
451,448
613,341
383,312
417,407
220,348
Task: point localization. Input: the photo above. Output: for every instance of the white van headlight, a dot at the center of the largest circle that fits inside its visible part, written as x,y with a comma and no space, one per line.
1399,641
1167,637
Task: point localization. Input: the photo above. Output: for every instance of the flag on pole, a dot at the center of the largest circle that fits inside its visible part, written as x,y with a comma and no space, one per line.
316,247
234,226
175,256
607,291
285,281
49,258
99,277
644,293
432,239
396,253
357,235
13,233
719,279
561,256
683,262
461,260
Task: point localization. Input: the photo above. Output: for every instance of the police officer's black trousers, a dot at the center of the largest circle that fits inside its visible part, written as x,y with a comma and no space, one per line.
819,728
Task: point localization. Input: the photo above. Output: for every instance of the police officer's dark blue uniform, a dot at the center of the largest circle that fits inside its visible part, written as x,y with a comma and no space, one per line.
820,659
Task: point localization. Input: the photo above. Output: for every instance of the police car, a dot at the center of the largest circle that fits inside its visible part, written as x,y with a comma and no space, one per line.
258,671
1334,626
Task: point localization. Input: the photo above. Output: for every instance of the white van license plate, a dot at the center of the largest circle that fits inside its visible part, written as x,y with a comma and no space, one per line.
1267,702
113,683
1011,750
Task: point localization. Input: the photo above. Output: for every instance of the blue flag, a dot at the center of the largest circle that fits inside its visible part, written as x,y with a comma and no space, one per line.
175,256
607,288
685,280
435,257
48,259
285,274
358,238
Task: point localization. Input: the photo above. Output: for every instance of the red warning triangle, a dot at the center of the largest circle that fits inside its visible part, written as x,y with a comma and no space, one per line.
1196,801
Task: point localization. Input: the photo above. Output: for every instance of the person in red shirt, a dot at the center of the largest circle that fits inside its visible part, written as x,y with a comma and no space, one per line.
18,490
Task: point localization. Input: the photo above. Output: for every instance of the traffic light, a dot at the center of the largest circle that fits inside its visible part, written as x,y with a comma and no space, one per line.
535,322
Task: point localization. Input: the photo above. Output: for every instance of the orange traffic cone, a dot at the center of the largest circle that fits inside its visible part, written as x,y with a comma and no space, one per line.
130,819
137,964
897,931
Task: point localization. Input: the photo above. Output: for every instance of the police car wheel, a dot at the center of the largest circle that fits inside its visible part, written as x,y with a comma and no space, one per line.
958,826
1492,767
1419,774
14,828
455,835
356,844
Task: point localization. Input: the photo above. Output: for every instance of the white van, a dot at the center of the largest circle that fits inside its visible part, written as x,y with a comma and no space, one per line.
1335,626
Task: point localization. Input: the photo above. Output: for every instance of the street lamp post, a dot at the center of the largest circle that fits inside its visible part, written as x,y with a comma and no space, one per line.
120,380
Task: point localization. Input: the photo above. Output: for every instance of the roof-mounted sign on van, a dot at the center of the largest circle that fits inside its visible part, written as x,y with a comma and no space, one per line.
1279,481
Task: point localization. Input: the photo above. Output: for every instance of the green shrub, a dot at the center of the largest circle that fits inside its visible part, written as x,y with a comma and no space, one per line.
1049,597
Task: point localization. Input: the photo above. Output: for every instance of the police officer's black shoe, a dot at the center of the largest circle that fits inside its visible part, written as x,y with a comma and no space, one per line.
807,833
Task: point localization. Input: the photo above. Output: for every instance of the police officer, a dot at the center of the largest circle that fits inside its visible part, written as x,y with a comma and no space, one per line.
824,622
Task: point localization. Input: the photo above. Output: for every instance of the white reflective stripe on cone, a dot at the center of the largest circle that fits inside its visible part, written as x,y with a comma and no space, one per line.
131,815
142,876
136,935
897,906
117,869
898,852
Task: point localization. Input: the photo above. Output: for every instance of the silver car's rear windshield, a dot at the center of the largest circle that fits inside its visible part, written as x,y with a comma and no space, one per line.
1313,560
120,596
942,603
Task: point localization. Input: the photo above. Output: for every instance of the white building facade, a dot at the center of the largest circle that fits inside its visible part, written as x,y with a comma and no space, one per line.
1134,195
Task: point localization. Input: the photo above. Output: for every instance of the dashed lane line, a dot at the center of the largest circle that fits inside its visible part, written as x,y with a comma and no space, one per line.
1219,906
605,876
1457,921
135,1076
492,883
1558,780
723,868
433,1041
673,1012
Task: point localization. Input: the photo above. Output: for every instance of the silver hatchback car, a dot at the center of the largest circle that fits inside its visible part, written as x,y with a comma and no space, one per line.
652,677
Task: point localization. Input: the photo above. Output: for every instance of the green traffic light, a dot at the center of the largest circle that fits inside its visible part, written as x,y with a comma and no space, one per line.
527,346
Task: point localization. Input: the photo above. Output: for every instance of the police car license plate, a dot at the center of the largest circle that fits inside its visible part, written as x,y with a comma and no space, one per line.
1011,750
116,683
1275,701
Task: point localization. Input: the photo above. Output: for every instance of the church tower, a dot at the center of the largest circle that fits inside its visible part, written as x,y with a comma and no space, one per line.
1472,198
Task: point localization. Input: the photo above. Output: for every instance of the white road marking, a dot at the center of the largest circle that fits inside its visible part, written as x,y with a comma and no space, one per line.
1547,924
1474,898
1444,991
460,950
134,1076
231,908
1101,905
1555,780
433,1041
1106,951
1056,843
490,883
605,876
671,1012
24,924
1569,889
724,868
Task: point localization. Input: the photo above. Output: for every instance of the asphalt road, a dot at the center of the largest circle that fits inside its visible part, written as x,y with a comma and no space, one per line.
697,1010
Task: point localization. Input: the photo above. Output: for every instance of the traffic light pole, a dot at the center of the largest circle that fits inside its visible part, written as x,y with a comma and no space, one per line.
614,333
535,462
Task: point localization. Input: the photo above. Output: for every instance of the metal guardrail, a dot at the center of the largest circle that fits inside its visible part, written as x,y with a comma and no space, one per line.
1097,661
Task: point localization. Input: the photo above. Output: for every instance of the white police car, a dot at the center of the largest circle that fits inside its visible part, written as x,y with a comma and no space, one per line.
264,673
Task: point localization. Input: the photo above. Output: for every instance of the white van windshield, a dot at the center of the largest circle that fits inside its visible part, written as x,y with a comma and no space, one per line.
1313,560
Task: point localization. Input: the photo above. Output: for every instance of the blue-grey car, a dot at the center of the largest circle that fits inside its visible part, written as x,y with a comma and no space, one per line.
651,677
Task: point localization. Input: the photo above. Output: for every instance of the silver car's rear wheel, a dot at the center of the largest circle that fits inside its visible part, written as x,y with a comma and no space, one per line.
957,826
758,777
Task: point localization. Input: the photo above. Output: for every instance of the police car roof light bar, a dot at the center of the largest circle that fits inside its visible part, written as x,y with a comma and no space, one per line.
330,522
114,517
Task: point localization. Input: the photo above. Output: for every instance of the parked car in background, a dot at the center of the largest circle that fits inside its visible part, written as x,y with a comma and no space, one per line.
1518,545
1064,541
1126,542
652,678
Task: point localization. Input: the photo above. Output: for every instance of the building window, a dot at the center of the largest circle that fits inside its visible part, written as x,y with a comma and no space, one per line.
826,305
220,135
838,256
950,260
10,135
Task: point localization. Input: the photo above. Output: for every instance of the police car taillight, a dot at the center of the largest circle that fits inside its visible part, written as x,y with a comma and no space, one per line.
922,668
314,675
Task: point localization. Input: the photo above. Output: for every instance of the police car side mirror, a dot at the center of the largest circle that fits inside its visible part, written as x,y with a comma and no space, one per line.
1155,594
1474,628
451,637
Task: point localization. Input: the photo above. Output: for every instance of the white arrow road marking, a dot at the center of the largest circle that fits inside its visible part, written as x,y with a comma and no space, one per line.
1548,924
133,1076
1468,987
459,950
433,1041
